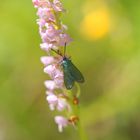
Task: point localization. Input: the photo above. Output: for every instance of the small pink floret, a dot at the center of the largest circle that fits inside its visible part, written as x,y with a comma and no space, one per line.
61,122
50,85
47,60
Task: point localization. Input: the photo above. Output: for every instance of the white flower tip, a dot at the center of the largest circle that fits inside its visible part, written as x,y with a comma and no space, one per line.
60,128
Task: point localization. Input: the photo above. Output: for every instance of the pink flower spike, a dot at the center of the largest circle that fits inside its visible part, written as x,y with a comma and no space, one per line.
50,84
61,122
53,35
47,60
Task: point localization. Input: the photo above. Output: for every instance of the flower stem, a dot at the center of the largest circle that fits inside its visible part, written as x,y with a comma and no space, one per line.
81,130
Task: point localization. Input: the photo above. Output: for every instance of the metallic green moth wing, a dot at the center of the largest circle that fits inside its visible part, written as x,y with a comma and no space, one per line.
71,73
68,79
76,74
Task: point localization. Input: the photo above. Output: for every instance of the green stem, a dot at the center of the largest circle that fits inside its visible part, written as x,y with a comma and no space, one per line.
81,130
76,112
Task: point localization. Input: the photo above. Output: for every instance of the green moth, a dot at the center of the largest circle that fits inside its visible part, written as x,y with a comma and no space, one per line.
71,72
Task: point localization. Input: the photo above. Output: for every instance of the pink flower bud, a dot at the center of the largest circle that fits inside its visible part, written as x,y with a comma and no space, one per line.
41,22
59,81
64,38
36,3
41,3
58,102
61,122
62,104
47,60
50,70
52,100
45,46
57,5
53,71
46,13
50,85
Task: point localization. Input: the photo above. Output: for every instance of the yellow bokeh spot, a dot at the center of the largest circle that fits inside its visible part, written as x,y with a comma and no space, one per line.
95,24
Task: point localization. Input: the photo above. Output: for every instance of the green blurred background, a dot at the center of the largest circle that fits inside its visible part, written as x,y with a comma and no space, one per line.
105,48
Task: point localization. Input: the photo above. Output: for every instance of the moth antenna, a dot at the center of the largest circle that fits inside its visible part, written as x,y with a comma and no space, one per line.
57,52
65,49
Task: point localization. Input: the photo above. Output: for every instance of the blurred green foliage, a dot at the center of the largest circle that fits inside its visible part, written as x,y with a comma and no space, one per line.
110,98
